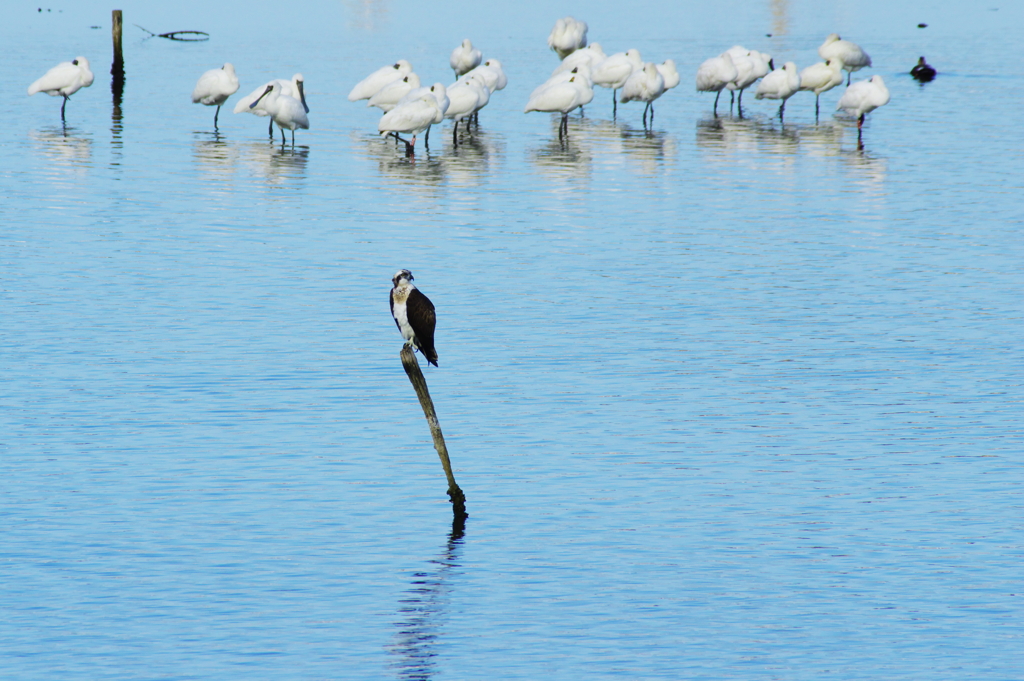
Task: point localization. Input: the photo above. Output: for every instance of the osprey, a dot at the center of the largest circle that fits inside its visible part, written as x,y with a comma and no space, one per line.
414,315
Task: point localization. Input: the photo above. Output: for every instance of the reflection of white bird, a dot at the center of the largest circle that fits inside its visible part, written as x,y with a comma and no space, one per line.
714,74
64,80
567,36
821,77
780,84
464,58
615,70
863,97
411,117
392,93
372,84
293,88
286,111
214,87
645,85
561,97
852,56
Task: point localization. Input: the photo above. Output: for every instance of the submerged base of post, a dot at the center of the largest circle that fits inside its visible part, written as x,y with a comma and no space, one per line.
419,384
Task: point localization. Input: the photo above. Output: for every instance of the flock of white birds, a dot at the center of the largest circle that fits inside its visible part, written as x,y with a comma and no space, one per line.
411,108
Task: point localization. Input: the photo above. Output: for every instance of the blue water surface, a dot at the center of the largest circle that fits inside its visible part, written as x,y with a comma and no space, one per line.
729,398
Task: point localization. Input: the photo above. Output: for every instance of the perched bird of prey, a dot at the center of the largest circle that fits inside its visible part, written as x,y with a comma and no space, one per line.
414,315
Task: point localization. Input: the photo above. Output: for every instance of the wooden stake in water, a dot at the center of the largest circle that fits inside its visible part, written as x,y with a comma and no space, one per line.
419,383
115,30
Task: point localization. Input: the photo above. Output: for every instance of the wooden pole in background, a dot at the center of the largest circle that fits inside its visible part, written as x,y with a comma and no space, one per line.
115,30
419,383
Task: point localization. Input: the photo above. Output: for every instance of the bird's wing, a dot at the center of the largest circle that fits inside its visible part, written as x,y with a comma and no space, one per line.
421,316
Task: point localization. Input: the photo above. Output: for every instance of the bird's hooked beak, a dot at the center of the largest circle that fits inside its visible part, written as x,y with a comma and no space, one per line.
302,95
269,88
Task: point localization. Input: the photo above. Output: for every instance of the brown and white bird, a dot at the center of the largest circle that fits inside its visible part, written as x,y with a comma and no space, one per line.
414,315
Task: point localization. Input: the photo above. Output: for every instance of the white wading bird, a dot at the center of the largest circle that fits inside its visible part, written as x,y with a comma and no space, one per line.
214,87
863,97
645,85
464,58
562,97
285,110
614,71
64,80
821,77
780,84
412,116
852,56
293,88
567,36
714,74
372,84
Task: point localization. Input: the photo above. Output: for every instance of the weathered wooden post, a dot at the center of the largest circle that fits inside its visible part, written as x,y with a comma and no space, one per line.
117,67
419,383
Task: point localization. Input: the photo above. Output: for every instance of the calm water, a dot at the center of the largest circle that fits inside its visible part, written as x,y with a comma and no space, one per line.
730,399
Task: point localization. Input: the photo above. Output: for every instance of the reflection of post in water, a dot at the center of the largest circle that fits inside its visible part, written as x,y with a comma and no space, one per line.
419,383
422,611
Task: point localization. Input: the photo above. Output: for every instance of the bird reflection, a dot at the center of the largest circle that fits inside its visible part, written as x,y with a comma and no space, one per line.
601,140
423,610
64,146
442,164
214,156
272,162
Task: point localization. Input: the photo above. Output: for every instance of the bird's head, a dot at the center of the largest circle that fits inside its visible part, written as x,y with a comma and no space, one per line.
402,277
265,92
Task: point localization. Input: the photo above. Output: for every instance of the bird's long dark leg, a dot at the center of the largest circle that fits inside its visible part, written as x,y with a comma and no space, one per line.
782,109
739,105
860,123
293,137
426,139
62,105
732,97
849,75
714,109
270,129
816,98
455,134
215,115
410,147
645,114
651,104
282,137
614,105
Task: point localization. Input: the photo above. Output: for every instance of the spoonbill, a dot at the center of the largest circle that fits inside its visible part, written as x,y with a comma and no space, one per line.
567,36
591,55
293,88
389,95
669,73
852,56
780,84
64,80
613,72
714,74
751,66
821,77
923,72
466,97
645,85
562,97
285,110
214,87
863,97
411,116
372,84
464,58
